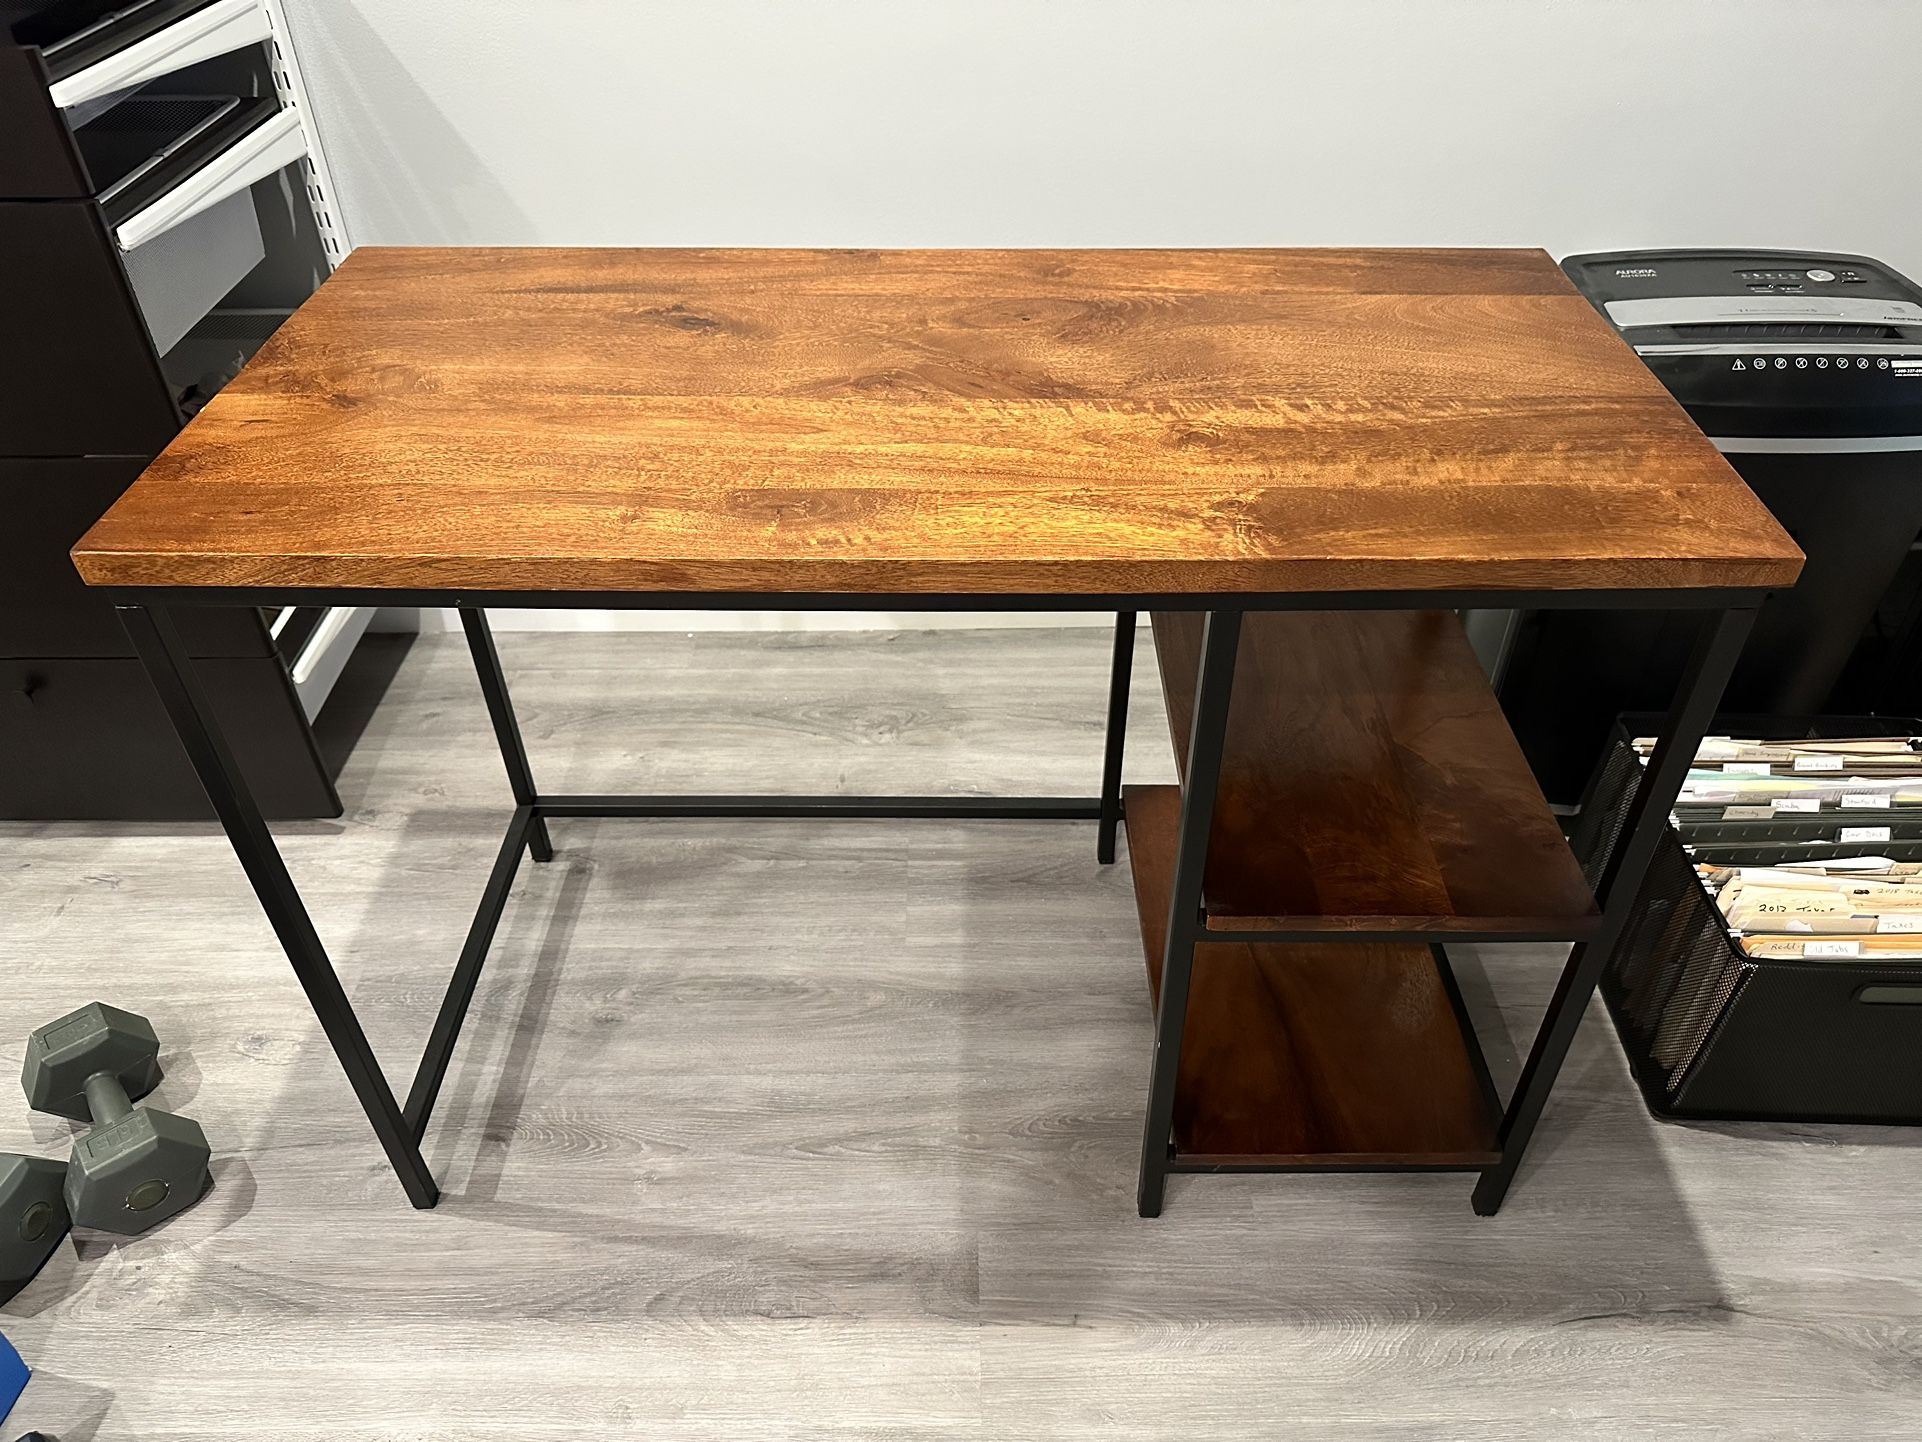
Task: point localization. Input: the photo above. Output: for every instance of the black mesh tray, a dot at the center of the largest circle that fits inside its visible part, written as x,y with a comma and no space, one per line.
147,144
1712,1033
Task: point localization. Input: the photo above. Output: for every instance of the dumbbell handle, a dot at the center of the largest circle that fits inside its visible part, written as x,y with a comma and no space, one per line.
106,1098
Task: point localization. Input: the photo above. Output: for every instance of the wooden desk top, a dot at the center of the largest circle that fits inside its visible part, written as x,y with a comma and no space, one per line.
946,422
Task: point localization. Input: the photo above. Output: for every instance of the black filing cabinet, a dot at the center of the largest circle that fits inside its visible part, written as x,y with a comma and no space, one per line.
154,229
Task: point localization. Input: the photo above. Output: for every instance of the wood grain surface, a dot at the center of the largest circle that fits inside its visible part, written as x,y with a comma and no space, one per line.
1309,1054
948,422
1370,782
860,1162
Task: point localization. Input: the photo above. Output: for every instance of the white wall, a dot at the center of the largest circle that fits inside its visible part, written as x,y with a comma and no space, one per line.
1569,124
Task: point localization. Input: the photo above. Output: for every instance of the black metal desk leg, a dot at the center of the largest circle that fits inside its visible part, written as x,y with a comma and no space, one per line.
168,664
1713,660
1220,637
1118,678
507,731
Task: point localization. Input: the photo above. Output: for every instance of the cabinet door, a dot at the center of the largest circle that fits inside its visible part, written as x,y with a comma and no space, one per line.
88,740
81,377
45,608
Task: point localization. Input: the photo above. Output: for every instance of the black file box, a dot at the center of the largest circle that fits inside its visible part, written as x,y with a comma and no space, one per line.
1714,1034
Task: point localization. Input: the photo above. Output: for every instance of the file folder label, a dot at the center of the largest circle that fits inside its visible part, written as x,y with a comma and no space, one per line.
1832,948
1864,833
1818,763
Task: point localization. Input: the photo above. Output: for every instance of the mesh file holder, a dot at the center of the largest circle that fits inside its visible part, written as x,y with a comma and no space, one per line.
1713,1033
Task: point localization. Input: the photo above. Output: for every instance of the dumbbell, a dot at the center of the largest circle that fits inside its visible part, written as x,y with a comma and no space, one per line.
33,1216
138,1166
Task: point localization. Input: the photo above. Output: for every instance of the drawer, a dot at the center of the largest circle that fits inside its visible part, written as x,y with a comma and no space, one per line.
63,63
99,293
45,608
175,174
82,378
160,160
183,273
99,48
89,627
88,740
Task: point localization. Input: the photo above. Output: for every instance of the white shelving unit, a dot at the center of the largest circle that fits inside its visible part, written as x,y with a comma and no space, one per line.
289,137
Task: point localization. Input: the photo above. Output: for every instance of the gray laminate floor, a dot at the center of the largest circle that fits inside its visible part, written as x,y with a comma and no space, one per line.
769,1130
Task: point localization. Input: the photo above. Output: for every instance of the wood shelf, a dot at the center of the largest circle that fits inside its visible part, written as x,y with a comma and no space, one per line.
1370,784
1312,1055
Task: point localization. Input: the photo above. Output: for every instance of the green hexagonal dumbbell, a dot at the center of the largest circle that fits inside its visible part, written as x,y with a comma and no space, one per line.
138,1166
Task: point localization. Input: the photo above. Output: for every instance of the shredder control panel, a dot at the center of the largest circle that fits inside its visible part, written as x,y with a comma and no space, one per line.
1769,343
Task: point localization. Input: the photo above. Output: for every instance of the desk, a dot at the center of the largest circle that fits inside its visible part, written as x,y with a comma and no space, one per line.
1222,438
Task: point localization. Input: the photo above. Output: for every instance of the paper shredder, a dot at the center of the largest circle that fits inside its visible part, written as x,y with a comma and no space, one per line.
1806,371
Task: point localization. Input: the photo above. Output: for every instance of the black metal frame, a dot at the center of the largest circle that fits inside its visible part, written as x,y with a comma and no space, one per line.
1728,615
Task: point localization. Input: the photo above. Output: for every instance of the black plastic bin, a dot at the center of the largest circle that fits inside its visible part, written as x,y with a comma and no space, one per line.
1715,1034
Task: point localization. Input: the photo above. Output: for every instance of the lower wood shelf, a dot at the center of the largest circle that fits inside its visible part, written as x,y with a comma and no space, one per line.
1314,1055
